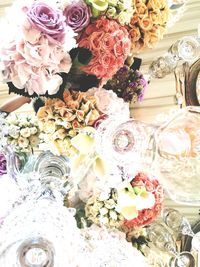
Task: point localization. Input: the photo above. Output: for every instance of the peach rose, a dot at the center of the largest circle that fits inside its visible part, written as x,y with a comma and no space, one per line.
135,34
141,9
155,16
135,19
146,23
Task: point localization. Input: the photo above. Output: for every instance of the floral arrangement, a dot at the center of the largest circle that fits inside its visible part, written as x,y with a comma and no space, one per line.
120,10
3,164
154,190
131,205
79,44
22,132
110,45
148,23
60,120
128,84
39,52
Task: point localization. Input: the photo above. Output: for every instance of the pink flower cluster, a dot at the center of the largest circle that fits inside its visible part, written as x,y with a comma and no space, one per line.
110,45
146,216
33,59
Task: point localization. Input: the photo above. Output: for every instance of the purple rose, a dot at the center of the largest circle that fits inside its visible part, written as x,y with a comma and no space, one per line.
49,21
77,16
3,166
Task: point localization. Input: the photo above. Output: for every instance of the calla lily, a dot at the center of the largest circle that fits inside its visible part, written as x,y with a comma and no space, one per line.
76,162
99,5
131,200
83,143
129,212
99,167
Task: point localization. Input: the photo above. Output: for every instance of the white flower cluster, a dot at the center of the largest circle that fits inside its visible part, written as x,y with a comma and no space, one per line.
101,210
22,132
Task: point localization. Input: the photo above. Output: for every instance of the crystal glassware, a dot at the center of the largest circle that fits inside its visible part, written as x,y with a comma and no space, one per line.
172,219
127,143
164,241
178,224
163,66
187,49
178,155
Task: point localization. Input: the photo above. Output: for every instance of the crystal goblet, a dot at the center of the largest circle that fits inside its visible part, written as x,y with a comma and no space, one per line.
163,240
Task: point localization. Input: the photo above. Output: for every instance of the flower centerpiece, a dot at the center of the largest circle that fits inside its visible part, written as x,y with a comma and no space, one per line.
131,205
60,120
22,132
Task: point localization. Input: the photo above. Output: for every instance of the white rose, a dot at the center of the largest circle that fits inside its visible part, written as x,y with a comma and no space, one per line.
23,142
103,211
113,215
33,130
12,119
25,132
34,140
13,131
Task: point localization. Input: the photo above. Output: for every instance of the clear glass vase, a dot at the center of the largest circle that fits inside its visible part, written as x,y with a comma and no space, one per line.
126,143
178,155
171,151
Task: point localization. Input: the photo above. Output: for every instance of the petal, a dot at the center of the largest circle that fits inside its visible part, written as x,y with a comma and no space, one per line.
76,162
129,212
83,142
99,167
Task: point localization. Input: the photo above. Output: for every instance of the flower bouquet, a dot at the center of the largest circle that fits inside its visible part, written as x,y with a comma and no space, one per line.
131,205
21,131
76,45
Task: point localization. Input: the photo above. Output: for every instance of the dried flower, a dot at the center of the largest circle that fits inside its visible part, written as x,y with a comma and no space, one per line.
128,84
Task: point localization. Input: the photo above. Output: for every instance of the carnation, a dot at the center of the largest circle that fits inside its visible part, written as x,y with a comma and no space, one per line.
110,45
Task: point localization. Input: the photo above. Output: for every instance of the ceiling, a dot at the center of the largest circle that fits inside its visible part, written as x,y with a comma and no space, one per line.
160,94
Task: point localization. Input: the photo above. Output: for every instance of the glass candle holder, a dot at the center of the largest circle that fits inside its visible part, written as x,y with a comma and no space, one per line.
187,49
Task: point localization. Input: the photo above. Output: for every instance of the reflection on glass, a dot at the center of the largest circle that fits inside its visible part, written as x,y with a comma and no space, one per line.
178,155
187,49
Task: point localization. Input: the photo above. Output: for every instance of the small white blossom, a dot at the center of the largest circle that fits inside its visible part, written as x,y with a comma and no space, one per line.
23,142
33,130
103,211
25,132
13,131
113,215
34,140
